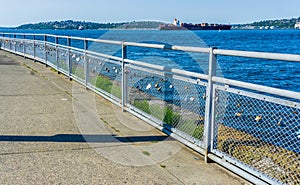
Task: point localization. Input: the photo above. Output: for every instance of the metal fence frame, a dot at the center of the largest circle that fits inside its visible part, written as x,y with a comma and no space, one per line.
10,41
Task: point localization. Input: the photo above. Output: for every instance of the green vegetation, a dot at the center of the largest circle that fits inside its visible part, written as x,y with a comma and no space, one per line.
170,117
69,25
146,153
104,83
141,25
143,105
267,24
52,69
74,25
78,71
165,114
33,70
63,65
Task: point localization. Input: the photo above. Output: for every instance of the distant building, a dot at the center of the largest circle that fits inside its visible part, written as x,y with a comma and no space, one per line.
176,22
297,25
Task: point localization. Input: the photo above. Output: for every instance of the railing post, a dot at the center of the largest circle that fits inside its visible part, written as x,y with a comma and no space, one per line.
208,106
34,49
45,49
10,43
15,43
3,42
124,78
69,59
86,64
24,49
57,55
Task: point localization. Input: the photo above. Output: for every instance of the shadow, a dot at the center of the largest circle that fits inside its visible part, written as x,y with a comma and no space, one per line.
75,138
8,63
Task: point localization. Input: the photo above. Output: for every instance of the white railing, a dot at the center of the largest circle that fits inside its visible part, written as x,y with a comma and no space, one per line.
250,129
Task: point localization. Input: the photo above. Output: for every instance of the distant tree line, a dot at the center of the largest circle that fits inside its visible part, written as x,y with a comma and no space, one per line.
278,24
71,25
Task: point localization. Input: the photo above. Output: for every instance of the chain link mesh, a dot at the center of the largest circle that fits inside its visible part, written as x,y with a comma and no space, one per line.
19,45
51,54
77,60
40,50
5,43
63,59
105,74
260,133
176,103
29,48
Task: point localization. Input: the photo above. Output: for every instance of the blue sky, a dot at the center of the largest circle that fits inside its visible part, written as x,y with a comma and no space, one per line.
17,12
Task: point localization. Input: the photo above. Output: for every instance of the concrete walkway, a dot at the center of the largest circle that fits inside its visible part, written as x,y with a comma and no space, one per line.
53,131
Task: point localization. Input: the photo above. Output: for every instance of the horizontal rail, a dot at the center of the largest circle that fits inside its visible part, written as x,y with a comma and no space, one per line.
260,55
191,49
104,55
236,53
104,41
166,69
260,88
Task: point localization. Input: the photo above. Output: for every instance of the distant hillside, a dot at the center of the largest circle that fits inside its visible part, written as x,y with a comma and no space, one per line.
141,25
73,25
270,24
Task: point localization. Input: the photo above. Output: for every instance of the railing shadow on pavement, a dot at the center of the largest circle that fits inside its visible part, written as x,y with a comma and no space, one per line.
82,138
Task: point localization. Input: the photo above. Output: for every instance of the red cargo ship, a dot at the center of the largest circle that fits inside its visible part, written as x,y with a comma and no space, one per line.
189,26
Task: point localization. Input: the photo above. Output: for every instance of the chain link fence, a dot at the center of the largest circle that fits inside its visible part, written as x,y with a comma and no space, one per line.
29,48
173,101
62,59
105,76
51,55
40,51
259,131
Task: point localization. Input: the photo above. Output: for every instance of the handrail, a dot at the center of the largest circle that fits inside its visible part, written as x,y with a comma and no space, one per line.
225,52
259,55
259,88
211,83
166,69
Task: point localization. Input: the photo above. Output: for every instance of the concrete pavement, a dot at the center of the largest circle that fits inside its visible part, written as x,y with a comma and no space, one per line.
53,131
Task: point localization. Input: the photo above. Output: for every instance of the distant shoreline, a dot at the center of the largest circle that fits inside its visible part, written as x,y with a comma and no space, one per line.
141,29
282,24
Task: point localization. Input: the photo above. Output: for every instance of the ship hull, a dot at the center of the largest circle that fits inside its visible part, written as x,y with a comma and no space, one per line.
192,27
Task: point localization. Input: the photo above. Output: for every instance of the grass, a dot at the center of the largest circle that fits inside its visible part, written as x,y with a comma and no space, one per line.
170,117
53,70
63,65
143,105
165,114
79,72
146,153
104,83
27,66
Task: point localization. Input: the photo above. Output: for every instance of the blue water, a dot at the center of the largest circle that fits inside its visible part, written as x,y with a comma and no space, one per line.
284,75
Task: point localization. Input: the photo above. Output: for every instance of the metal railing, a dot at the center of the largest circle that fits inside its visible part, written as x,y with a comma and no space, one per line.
250,129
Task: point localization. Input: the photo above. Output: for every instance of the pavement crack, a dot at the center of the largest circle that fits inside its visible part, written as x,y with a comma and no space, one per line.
60,150
26,95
